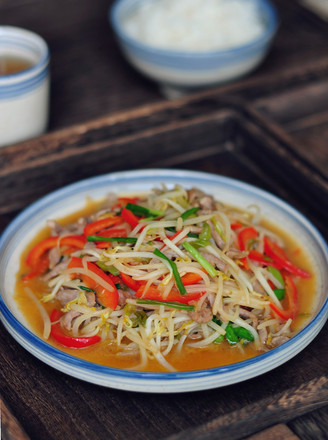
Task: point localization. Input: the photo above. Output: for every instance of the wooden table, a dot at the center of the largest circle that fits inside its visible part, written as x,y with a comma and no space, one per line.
269,129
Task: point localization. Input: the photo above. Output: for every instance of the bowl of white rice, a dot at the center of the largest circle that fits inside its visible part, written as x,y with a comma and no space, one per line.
189,44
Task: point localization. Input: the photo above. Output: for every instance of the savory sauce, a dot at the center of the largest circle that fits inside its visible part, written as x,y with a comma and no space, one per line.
189,358
10,65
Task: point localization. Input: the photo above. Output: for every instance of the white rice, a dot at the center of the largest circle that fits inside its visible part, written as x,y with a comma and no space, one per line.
195,25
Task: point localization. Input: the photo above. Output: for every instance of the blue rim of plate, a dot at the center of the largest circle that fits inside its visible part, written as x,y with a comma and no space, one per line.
149,381
267,7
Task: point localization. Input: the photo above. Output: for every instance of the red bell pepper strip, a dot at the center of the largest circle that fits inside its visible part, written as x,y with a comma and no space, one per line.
69,250
130,218
190,278
155,293
128,199
103,223
130,282
34,256
172,238
107,298
175,235
262,259
69,341
123,201
274,251
112,232
40,269
244,237
187,280
236,225
292,295
115,278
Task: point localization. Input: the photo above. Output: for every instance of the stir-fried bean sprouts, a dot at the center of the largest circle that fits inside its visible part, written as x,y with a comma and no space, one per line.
148,305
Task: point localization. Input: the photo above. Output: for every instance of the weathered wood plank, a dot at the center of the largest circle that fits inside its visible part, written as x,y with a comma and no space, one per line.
277,408
302,113
10,427
34,168
313,425
277,432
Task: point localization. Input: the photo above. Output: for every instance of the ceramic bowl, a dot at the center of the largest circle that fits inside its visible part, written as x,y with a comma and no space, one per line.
193,69
24,96
72,198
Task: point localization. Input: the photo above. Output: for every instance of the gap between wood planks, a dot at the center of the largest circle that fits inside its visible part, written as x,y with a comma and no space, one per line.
277,432
253,418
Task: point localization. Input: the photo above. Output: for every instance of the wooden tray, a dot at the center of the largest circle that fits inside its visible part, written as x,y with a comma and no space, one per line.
229,139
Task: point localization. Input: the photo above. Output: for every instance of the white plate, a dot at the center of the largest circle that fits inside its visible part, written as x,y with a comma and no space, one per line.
71,198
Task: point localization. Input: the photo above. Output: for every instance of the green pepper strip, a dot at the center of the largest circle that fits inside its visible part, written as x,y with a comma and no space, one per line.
140,318
280,293
234,334
111,269
219,339
277,274
172,304
231,336
243,333
189,213
216,320
142,211
204,236
175,271
87,289
171,229
201,260
120,239
190,234
218,228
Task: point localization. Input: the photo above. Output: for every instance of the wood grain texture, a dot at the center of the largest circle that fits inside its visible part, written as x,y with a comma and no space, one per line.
52,406
100,152
156,136
278,408
278,432
10,427
313,425
303,114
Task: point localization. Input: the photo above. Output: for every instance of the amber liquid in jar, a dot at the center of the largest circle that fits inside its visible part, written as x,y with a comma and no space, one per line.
10,65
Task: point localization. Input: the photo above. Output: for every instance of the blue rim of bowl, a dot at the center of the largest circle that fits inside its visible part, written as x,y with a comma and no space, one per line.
26,85
182,175
270,30
44,60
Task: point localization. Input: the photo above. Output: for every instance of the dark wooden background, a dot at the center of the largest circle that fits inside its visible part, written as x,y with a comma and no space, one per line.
269,129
